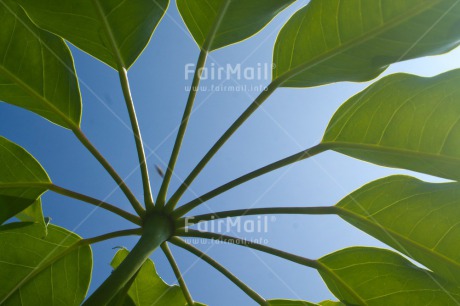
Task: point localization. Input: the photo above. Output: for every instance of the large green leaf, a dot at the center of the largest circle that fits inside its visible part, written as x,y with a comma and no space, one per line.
356,40
110,30
417,218
374,277
42,271
403,121
36,69
22,179
148,288
218,23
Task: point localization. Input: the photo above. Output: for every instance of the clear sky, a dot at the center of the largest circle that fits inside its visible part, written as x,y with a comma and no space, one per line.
290,121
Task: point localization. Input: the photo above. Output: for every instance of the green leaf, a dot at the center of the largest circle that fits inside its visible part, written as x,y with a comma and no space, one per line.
22,179
289,303
403,121
370,276
34,213
215,24
113,31
148,288
417,218
36,69
42,271
356,40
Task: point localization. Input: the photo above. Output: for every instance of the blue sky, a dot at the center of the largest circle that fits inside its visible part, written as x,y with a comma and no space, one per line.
291,120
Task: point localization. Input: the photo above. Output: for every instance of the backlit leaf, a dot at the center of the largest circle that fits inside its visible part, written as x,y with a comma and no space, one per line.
36,69
22,180
417,218
355,40
377,277
109,30
42,271
403,121
218,23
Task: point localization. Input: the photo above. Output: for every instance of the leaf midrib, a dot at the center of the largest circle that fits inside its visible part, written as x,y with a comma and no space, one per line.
37,95
338,279
335,145
110,35
25,185
343,212
41,267
207,45
292,73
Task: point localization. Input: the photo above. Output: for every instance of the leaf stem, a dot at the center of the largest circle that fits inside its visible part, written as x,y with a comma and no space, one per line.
180,279
121,67
242,242
206,48
251,293
123,233
245,178
132,199
137,137
161,200
222,140
315,264
326,210
75,195
157,229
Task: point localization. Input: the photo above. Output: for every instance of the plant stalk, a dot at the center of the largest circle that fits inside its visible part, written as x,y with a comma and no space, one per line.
180,279
161,200
157,229
120,182
326,210
81,197
226,136
122,296
121,68
252,175
148,199
251,293
205,49
314,264
213,236
123,233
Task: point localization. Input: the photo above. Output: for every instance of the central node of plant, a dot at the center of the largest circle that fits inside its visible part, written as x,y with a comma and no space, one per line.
159,224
